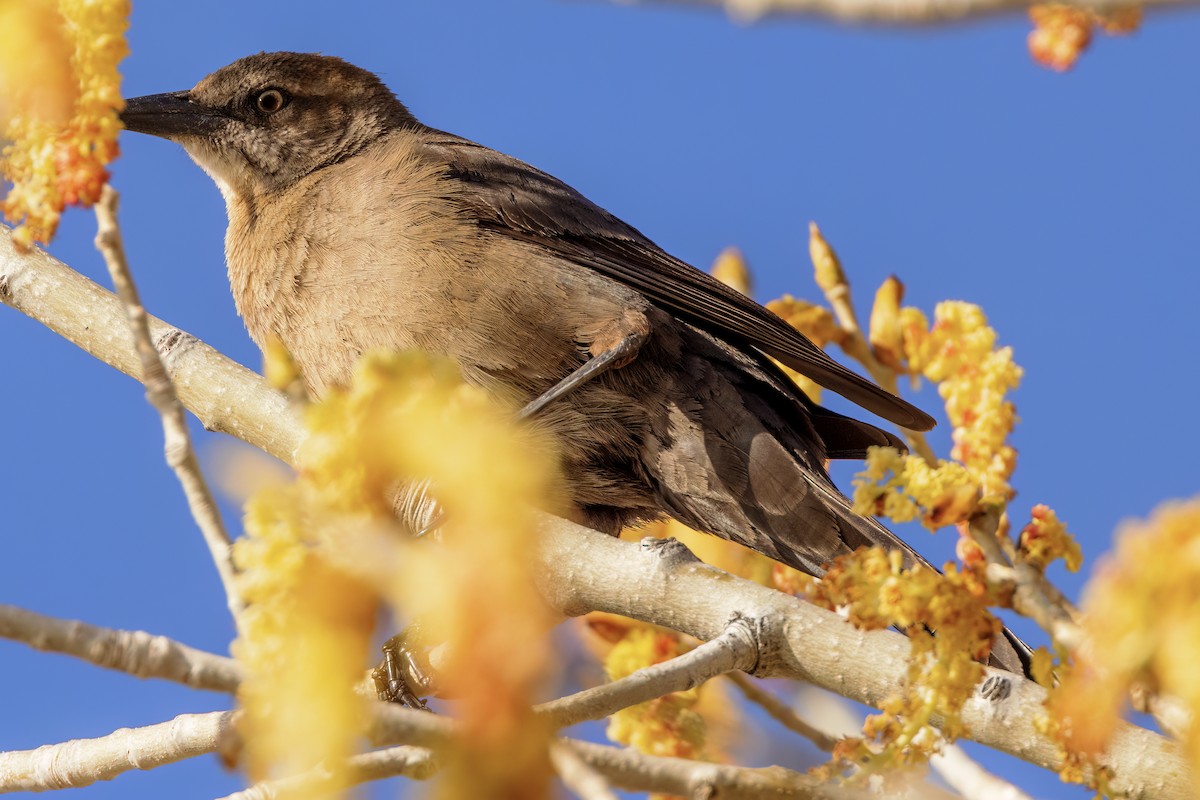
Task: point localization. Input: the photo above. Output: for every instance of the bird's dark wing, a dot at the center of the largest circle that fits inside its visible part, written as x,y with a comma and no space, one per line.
519,201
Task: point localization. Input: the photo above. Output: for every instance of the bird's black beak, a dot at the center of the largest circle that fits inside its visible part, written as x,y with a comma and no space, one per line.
171,116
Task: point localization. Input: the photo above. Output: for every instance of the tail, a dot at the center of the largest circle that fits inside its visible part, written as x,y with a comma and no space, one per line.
746,463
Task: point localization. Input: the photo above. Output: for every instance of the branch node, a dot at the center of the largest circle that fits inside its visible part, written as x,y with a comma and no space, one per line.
670,551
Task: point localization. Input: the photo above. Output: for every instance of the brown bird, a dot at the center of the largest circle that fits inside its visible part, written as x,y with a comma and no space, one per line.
353,226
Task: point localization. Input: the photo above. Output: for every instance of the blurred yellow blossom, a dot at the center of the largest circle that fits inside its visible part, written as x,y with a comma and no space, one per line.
730,269
403,417
55,159
1141,626
304,639
877,592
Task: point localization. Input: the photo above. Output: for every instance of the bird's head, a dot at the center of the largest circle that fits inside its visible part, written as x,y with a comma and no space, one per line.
266,121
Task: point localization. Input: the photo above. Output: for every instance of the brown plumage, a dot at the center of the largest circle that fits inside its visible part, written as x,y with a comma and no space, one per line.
353,226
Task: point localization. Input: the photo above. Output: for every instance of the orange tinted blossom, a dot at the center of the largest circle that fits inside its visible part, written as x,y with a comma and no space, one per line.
905,487
1045,538
1061,33
54,161
959,353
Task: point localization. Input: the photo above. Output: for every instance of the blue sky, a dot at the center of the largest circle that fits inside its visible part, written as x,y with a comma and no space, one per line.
1064,204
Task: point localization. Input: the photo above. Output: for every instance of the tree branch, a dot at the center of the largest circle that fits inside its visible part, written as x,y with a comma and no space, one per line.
577,775
895,12
580,570
781,712
734,649
177,442
634,771
412,762
136,653
82,762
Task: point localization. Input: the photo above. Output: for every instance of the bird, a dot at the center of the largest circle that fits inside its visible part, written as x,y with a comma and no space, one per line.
352,226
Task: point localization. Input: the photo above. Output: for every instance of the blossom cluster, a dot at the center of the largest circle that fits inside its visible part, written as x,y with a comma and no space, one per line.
876,591
61,124
323,552
1141,630
1062,32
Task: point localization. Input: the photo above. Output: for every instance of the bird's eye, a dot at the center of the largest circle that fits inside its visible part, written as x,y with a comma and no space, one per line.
268,101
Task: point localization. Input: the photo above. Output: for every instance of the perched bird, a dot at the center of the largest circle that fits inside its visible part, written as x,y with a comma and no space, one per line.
354,226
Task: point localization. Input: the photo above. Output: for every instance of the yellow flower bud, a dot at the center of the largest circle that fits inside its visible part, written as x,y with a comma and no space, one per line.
731,269
885,333
827,268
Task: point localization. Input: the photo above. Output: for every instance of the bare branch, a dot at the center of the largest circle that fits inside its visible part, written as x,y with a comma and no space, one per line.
895,12
781,712
223,394
411,762
577,775
969,779
734,649
629,769
177,442
580,570
1033,596
136,653
82,762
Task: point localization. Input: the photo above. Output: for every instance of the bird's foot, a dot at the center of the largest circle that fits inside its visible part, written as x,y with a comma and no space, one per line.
400,675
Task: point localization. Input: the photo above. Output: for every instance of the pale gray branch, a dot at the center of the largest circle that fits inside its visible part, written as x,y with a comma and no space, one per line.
577,775
412,762
634,771
892,12
781,712
177,442
580,570
82,762
734,649
136,653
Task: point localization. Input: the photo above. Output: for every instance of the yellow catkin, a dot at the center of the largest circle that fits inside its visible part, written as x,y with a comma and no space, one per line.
1140,626
62,131
322,552
876,591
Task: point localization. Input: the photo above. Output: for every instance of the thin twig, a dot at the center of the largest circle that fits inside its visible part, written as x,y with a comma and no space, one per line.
969,779
133,652
411,762
1032,595
577,775
734,649
781,712
160,392
82,762
629,769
